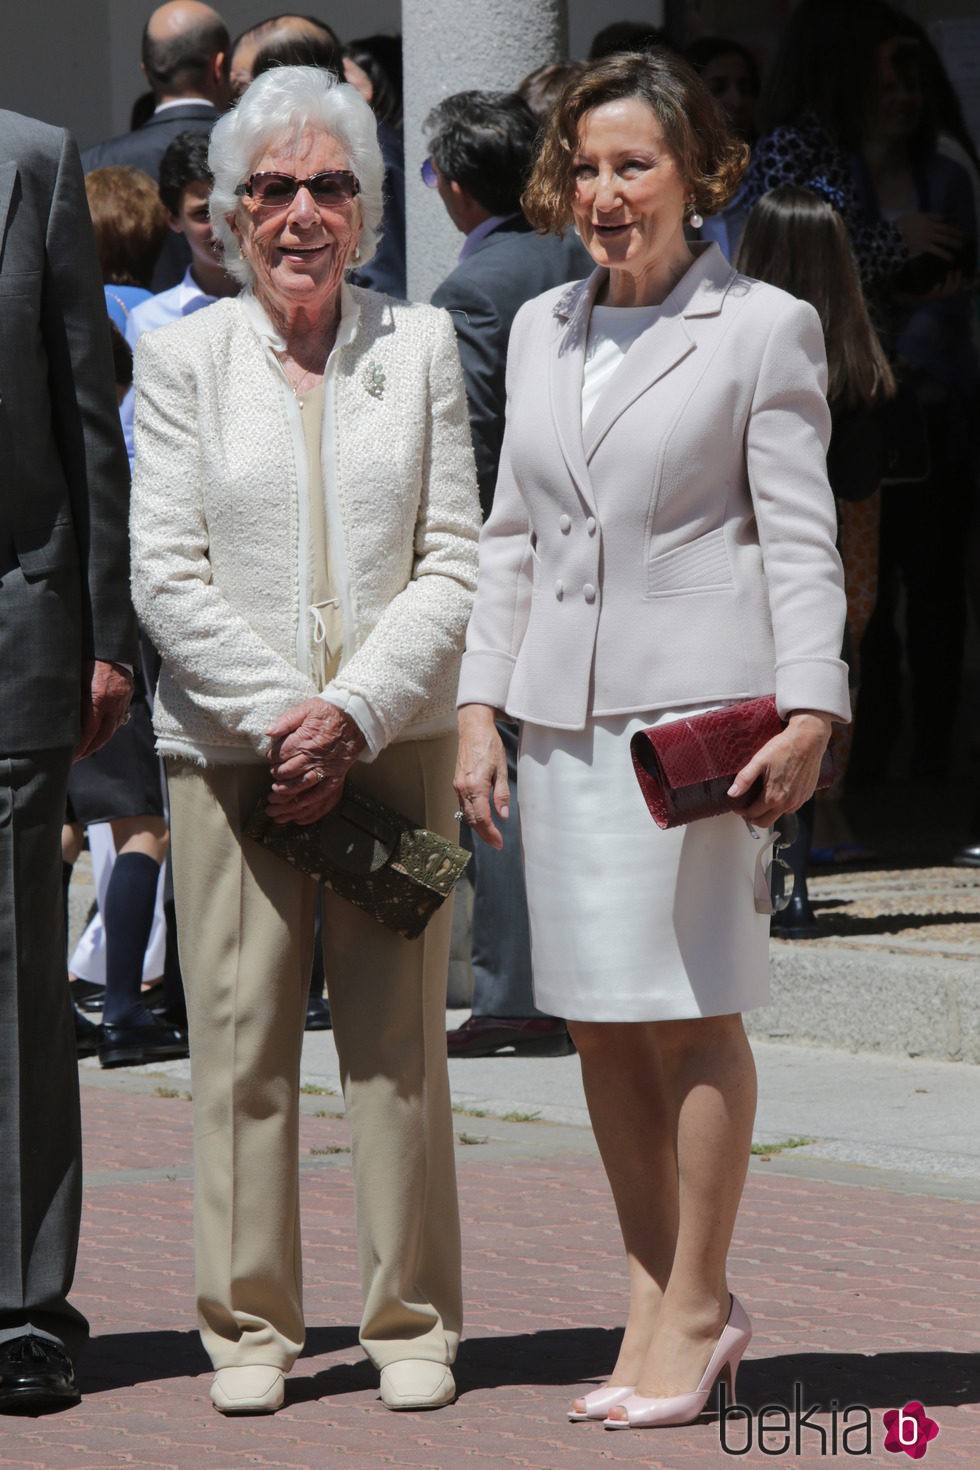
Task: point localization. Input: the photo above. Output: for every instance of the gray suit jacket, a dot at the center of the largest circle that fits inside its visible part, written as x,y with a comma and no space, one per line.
144,148
64,586
484,294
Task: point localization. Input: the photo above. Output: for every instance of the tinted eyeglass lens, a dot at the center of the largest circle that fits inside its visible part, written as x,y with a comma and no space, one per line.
428,173
275,191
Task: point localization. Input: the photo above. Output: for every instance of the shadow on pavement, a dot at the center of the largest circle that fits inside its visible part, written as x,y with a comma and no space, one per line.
878,1380
124,1359
847,926
569,1356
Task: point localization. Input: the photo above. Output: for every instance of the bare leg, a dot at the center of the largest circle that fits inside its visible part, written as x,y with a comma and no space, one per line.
709,1075
672,1106
147,835
633,1121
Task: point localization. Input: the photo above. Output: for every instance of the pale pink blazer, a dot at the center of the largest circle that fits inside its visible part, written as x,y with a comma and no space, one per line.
682,550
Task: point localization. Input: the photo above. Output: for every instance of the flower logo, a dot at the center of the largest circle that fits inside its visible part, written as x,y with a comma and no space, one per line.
909,1429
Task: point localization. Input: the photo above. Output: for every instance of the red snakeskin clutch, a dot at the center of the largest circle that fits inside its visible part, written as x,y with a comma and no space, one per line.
686,767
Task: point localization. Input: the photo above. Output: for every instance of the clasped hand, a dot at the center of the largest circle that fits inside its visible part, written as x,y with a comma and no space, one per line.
788,766
314,745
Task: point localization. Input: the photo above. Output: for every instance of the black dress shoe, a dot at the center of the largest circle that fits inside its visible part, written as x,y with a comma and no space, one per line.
525,1036
968,857
88,1036
35,1375
133,1046
318,1014
87,995
796,921
173,1016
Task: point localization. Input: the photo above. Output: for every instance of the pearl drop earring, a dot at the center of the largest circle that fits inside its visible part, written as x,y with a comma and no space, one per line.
695,218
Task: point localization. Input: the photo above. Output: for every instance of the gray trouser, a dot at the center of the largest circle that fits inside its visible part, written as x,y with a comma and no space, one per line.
40,1130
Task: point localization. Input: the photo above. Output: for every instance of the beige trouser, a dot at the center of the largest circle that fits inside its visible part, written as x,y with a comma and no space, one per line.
245,920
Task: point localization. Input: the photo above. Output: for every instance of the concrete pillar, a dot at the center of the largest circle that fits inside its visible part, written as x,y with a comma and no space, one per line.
450,47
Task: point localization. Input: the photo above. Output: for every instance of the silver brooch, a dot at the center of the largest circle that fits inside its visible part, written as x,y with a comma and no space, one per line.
374,379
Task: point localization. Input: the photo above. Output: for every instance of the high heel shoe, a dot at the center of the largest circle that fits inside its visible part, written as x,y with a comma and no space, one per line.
684,1408
599,1402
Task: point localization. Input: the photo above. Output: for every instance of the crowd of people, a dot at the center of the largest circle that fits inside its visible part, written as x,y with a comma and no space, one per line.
691,421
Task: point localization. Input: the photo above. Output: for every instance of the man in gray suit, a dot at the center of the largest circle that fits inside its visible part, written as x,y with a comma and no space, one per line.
480,150
186,48
67,645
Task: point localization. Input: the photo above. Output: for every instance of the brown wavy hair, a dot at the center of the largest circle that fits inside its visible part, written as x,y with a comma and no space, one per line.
130,223
711,159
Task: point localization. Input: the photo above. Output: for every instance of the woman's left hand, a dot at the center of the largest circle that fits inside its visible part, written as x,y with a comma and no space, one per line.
314,745
788,765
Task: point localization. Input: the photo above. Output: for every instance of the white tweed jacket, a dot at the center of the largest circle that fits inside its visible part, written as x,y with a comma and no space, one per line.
219,524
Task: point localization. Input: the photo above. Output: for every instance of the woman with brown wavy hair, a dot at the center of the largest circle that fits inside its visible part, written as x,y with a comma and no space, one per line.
661,543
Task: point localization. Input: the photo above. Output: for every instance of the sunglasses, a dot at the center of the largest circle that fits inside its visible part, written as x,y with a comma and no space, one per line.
779,870
329,190
429,176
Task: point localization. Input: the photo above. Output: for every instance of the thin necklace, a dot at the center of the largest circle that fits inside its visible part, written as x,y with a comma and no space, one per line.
297,389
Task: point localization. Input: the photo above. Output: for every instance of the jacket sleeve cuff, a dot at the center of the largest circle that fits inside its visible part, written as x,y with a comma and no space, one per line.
485,679
819,684
363,716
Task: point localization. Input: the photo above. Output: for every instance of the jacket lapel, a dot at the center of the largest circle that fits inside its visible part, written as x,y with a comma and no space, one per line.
567,363
8,177
666,342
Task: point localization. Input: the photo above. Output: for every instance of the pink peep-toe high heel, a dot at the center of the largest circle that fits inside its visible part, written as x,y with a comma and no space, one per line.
684,1408
599,1402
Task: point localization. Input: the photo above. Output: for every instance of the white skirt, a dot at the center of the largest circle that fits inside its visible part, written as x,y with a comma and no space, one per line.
628,922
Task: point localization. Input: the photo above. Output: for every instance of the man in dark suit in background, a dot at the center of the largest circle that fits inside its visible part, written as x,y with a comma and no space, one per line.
480,150
67,645
186,48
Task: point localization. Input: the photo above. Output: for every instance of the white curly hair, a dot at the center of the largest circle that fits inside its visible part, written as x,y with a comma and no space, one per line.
279,108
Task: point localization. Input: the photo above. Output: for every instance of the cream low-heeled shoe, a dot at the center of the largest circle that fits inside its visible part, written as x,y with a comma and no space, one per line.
684,1408
416,1383
599,1402
253,1389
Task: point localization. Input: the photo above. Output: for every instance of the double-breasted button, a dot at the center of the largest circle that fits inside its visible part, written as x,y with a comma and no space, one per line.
559,590
566,524
590,525
588,592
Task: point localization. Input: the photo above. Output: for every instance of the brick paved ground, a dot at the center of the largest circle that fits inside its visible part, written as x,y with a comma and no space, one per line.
860,1294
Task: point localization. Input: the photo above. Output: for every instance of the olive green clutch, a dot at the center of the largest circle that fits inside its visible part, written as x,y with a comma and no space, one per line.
389,866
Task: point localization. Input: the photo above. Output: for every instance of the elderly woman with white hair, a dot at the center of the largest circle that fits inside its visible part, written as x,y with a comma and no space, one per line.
304,534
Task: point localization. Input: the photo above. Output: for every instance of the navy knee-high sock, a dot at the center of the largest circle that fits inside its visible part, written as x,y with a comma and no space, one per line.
128,918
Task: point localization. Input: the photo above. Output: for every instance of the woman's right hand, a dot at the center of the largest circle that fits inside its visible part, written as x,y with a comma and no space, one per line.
481,773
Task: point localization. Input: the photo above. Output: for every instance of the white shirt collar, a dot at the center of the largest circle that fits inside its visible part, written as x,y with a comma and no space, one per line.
190,295
481,232
182,102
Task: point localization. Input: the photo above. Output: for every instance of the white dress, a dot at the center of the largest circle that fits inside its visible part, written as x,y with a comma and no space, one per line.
628,922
